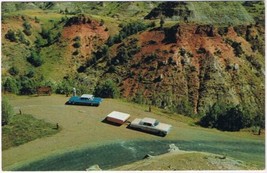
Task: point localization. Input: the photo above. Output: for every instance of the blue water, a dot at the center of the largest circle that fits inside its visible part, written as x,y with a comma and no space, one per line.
124,152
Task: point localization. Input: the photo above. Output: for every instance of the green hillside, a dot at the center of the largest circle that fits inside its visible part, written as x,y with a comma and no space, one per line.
185,57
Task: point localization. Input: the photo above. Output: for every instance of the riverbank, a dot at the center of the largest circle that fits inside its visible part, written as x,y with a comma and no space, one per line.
186,160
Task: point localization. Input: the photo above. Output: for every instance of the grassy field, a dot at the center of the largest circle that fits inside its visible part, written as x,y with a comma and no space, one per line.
220,13
83,132
25,128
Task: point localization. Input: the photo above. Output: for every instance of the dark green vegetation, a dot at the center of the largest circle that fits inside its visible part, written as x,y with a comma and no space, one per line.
225,117
25,128
18,129
184,57
7,111
131,151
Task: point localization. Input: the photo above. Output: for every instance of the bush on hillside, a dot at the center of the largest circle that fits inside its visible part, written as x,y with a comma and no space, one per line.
139,98
30,73
107,89
39,42
35,59
184,107
22,39
237,48
7,111
76,44
13,71
11,36
127,30
27,86
225,117
27,28
65,87
11,85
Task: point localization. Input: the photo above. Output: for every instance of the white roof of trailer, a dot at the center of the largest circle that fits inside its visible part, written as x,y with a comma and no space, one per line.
119,115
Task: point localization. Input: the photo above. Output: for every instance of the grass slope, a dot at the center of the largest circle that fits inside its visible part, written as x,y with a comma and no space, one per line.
222,13
24,128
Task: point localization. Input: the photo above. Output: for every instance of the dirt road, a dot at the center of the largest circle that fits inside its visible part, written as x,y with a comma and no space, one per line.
82,127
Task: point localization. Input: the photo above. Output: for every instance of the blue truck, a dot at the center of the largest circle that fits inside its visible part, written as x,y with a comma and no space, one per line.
85,99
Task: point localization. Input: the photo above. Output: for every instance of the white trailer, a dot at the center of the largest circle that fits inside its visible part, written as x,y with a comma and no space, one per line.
118,117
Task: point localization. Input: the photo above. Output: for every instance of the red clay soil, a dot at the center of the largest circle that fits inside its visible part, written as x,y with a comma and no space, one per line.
172,75
91,36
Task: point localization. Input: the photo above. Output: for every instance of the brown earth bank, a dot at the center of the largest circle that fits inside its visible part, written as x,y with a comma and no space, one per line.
193,62
82,127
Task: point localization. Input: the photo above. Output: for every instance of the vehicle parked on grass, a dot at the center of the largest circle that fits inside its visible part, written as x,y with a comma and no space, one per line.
85,99
117,117
150,125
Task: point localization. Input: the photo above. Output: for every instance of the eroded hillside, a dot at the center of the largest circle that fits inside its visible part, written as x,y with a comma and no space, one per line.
174,55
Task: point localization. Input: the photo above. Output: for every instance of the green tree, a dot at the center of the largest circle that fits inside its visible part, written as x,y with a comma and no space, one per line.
237,48
231,120
226,117
184,107
211,117
35,59
27,28
7,111
39,42
11,85
28,86
139,98
11,36
107,89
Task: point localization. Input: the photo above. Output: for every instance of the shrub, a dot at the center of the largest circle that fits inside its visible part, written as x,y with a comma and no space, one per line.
76,52
237,48
7,111
127,30
11,36
28,86
139,98
30,73
254,62
22,38
11,85
27,28
35,59
107,89
77,38
222,31
226,118
182,51
37,20
64,87
112,69
101,22
184,107
13,71
201,50
77,45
